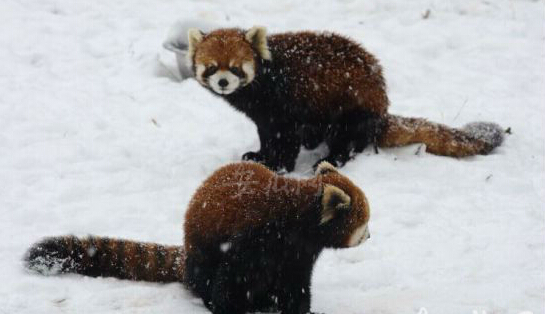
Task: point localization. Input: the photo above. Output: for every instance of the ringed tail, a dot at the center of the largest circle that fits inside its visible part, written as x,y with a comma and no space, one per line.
105,257
477,138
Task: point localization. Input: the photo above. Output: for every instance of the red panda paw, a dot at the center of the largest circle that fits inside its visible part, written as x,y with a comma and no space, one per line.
253,156
336,163
272,163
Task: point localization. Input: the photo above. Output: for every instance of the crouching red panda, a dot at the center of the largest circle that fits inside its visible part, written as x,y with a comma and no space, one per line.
251,240
306,88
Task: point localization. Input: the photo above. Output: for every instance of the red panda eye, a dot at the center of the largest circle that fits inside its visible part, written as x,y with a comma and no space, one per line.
210,70
237,71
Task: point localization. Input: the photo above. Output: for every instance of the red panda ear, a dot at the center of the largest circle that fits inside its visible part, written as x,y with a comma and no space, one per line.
333,200
194,37
257,37
325,167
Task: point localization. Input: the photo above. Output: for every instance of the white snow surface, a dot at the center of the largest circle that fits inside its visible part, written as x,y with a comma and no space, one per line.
98,137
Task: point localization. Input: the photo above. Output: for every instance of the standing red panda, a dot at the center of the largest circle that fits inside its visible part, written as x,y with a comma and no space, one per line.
306,88
251,240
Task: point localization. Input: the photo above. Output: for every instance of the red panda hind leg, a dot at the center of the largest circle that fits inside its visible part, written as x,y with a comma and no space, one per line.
349,135
275,265
478,138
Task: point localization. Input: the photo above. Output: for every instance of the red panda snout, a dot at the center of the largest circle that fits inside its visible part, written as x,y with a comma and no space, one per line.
224,82
360,235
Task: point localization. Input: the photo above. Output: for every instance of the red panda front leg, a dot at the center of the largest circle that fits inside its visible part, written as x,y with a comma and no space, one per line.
294,297
228,293
280,145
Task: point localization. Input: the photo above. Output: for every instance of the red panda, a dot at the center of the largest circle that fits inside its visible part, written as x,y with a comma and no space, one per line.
251,240
306,88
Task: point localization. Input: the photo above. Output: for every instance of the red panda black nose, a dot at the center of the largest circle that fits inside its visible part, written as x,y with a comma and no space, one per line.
223,82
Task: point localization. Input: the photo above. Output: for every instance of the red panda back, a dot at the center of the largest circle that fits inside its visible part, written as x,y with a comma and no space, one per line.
329,72
241,196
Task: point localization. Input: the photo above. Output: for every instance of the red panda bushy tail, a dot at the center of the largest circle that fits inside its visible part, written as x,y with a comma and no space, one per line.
478,138
99,256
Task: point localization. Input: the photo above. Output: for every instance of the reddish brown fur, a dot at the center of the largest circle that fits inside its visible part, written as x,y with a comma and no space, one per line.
222,208
439,139
100,256
346,76
247,195
224,47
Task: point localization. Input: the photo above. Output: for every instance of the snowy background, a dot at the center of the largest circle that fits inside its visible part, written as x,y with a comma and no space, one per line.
97,137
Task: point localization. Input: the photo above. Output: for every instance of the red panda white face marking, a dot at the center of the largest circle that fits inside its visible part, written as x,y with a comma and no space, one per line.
360,235
199,70
223,81
249,68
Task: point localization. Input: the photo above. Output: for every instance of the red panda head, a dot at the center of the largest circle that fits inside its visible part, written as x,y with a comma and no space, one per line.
344,209
225,59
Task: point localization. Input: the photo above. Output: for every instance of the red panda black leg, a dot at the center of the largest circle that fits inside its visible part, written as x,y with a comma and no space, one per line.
336,157
280,146
228,295
254,156
349,136
294,297
311,136
339,142
199,274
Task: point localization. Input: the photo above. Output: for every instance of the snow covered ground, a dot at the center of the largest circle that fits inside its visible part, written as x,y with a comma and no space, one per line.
97,137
